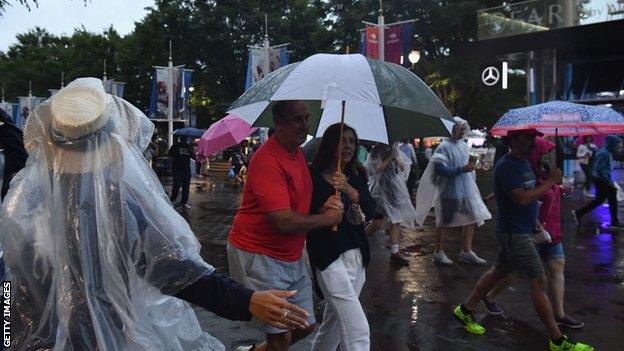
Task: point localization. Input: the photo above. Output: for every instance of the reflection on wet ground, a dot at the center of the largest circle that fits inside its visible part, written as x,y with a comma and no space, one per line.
409,308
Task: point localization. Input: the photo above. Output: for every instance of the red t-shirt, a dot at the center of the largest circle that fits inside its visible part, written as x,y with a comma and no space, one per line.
276,180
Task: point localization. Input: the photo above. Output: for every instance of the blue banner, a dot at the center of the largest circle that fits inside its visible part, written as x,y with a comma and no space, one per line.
407,33
363,42
25,106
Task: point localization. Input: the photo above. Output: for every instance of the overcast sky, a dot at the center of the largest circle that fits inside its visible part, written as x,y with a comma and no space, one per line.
62,16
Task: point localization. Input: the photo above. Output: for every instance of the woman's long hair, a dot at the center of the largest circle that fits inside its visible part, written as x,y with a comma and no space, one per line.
326,153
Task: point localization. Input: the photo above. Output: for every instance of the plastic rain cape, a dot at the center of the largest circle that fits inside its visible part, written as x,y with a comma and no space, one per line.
388,186
456,200
94,245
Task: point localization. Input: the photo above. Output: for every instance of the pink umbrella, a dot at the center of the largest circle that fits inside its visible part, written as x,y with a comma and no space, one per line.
222,134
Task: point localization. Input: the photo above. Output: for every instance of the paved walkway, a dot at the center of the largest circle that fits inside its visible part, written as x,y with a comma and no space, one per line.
409,308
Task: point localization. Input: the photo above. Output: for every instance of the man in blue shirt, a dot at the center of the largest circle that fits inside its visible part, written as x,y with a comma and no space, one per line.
605,186
516,199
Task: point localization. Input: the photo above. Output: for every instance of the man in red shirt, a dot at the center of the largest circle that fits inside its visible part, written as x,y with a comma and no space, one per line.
265,245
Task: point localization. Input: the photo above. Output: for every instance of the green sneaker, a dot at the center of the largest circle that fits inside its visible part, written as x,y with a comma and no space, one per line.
569,345
468,322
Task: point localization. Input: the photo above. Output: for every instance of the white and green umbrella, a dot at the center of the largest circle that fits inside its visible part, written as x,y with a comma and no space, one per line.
383,101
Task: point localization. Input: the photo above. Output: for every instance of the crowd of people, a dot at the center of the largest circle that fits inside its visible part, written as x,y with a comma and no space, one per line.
101,260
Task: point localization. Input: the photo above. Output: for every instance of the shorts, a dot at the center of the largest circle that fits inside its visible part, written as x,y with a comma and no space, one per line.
449,207
260,272
518,254
548,251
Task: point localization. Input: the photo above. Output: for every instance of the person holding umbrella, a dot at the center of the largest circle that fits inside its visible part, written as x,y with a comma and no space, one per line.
516,199
550,246
339,258
605,186
266,242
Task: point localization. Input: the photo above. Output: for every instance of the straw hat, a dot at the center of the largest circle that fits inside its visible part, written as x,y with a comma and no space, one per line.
79,129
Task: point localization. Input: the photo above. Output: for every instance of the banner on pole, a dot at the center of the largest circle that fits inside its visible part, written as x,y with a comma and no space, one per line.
25,104
159,100
114,87
10,109
393,44
372,42
263,60
397,42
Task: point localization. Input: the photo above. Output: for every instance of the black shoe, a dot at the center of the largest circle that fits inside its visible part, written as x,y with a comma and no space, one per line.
399,259
569,322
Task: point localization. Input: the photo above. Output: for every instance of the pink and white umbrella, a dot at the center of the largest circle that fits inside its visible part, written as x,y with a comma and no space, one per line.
228,131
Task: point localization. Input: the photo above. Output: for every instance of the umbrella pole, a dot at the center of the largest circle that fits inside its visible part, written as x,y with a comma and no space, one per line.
339,163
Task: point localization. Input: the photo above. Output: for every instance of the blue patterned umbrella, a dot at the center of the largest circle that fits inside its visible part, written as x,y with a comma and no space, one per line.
561,118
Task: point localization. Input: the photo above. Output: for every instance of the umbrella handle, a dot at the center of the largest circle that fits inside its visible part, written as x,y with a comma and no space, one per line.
339,163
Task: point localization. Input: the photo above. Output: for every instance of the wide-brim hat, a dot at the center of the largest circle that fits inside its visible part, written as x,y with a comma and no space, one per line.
81,129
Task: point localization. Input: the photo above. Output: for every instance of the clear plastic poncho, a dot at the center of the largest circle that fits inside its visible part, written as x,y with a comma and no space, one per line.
456,199
388,187
93,244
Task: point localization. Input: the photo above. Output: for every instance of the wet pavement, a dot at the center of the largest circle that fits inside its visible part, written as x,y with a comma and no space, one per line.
409,308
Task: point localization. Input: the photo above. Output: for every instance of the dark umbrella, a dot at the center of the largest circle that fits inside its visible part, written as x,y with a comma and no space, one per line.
189,132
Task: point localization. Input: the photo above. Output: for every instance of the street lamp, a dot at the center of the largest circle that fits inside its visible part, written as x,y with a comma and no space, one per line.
414,57
191,89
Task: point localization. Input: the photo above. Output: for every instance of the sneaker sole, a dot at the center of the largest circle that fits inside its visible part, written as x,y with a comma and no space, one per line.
440,263
497,313
576,326
575,218
473,262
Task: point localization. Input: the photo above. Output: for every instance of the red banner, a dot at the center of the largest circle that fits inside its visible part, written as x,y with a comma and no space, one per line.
392,43
372,42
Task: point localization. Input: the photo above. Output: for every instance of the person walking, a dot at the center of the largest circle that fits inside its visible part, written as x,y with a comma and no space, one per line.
449,186
585,153
339,258
548,239
605,186
516,199
266,242
180,155
387,172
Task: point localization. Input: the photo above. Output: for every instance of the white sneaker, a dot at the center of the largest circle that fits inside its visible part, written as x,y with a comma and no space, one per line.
588,194
439,257
471,257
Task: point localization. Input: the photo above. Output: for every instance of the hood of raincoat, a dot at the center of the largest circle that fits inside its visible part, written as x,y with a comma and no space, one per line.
542,147
90,236
611,142
461,129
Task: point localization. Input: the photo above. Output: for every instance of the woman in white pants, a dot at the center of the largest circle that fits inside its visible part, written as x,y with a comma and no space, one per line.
338,258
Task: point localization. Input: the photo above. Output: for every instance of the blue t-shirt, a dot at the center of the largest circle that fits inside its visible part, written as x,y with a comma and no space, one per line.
511,173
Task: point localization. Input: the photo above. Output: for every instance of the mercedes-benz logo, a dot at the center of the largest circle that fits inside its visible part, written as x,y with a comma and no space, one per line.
490,76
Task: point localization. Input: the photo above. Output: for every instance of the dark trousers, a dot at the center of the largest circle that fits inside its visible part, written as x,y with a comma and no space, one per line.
181,179
588,176
604,191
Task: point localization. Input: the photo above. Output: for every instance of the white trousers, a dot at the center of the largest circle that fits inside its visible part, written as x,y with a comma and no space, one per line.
344,322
